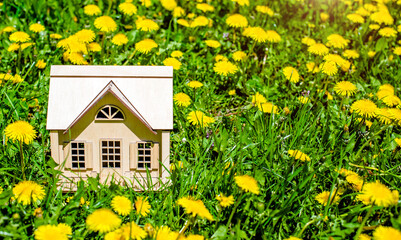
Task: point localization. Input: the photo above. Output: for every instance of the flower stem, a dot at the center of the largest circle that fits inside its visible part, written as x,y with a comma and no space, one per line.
235,208
363,223
22,160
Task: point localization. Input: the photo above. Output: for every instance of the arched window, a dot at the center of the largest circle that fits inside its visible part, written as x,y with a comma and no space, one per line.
109,112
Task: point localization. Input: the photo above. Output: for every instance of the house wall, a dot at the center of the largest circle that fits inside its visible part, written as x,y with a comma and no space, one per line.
130,130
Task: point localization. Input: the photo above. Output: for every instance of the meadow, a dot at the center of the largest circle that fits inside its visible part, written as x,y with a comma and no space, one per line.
286,118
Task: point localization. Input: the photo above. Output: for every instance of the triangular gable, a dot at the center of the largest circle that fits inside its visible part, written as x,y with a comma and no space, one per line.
112,88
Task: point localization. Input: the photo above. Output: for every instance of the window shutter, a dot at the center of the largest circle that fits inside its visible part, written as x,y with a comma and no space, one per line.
67,156
133,156
155,156
88,155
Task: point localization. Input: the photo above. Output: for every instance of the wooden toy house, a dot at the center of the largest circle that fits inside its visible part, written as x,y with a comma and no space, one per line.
114,121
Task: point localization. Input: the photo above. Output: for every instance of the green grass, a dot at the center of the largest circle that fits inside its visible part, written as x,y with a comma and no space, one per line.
245,139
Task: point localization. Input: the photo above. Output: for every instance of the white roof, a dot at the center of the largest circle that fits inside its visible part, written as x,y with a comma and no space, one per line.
147,91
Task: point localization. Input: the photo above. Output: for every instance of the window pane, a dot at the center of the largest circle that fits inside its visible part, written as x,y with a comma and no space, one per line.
117,164
74,164
113,110
104,143
101,115
74,158
117,150
111,143
81,158
74,145
117,143
104,157
140,165
81,152
147,159
74,151
104,150
147,152
81,145
119,115
82,165
140,145
140,152
111,157
111,164
148,165
104,164
111,150
140,159
117,157
148,145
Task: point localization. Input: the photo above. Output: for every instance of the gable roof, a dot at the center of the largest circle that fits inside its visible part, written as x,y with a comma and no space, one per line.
147,91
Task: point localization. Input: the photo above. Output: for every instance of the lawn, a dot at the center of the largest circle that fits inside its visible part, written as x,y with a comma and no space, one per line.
286,118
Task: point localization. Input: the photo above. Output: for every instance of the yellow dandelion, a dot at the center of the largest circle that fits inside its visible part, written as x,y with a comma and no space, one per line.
212,43
19,37
398,141
391,100
272,36
40,64
183,22
324,197
92,10
146,3
198,118
37,28
169,4
122,205
28,191
20,131
247,184
77,58
176,64
371,54
324,16
318,49
337,41
182,99
308,41
232,92
256,33
382,17
225,201
127,8
242,2
311,66
25,45
335,58
293,238
146,25
355,18
8,29
177,54
291,74
364,107
105,24
204,7
195,207
237,21
265,10
94,47
268,107
387,32
17,78
239,56
298,155
397,50
384,115
13,47
195,84
145,46
374,26
53,232
119,39
329,68
178,12
345,88
386,233
351,54
55,36
220,57
378,194
200,21
142,206
225,68
258,99
102,220
85,35
395,114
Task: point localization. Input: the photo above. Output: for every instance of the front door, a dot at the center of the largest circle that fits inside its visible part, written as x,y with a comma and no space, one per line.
110,157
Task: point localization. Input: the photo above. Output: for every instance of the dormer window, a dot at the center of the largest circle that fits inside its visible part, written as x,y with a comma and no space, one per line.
109,112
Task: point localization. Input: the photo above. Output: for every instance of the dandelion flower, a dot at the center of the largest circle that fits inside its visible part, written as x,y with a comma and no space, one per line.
204,7
225,201
55,36
355,18
212,43
182,99
77,58
323,198
195,207
13,47
183,22
308,41
122,205
382,17
195,84
8,29
329,68
92,10
19,37
265,10
40,64
318,49
395,114
237,21
85,35
198,118
378,194
127,231
337,41
145,46
272,36
142,206
231,92
258,99
268,107
386,233
247,183
169,4
383,115
291,74
371,54
225,68
324,16
354,180
256,33
119,39
127,8
172,62
397,50
364,107
28,191
219,58
105,24
239,56
53,232
102,220
351,54
37,27
177,54
146,25
17,78
387,32
391,100
345,88
311,66
374,26
298,155
293,238
200,21
20,131
94,47
178,12
242,2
